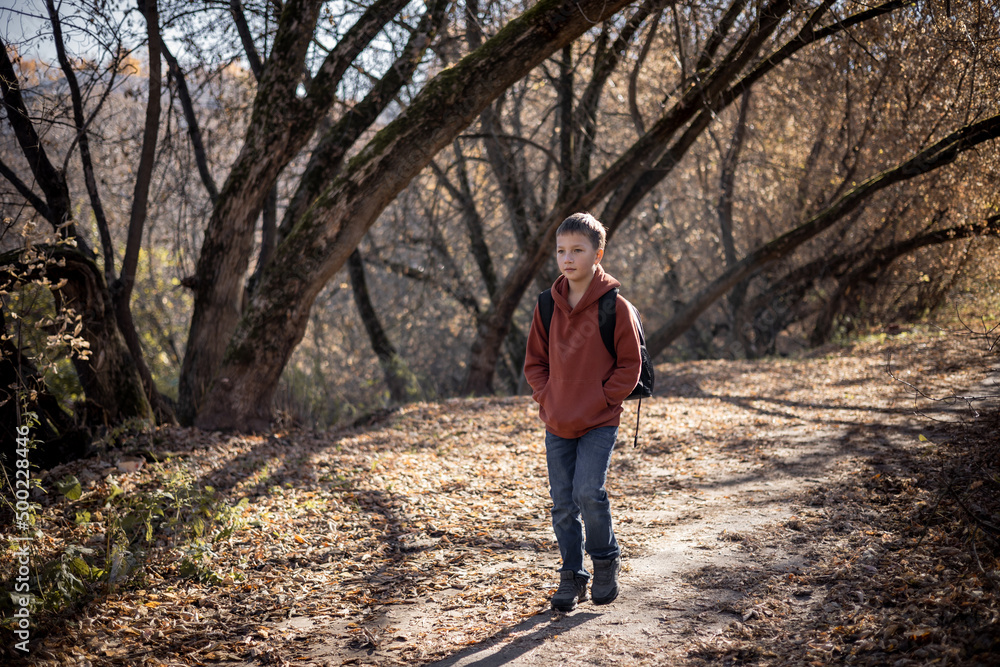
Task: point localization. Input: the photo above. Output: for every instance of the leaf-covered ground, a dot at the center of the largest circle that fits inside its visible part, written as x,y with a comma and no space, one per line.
784,512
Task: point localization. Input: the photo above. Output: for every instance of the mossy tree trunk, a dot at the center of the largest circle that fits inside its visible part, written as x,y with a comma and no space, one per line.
328,232
281,123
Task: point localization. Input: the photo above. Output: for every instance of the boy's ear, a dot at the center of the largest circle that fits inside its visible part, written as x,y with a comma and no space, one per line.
600,255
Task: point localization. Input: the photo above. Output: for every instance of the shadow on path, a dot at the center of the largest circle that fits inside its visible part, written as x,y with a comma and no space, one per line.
543,627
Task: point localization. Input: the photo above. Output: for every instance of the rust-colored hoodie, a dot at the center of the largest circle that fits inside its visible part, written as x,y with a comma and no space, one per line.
578,385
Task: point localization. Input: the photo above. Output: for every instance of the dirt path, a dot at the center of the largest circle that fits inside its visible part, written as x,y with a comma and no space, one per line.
724,520
738,458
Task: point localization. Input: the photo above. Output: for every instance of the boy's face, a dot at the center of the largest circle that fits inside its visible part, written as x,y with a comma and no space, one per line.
577,257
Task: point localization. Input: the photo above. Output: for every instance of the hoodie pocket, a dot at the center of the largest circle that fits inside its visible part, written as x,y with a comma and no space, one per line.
539,396
573,407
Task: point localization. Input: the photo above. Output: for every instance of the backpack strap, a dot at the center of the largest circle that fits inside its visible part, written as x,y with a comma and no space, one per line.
607,307
638,411
546,304
606,321
606,315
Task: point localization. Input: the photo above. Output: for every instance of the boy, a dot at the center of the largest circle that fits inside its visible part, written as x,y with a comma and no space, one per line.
579,387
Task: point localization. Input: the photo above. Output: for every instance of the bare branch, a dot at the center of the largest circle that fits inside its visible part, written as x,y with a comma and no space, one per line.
626,200
194,130
85,158
49,179
322,86
144,171
29,195
327,158
256,66
724,26
633,78
462,194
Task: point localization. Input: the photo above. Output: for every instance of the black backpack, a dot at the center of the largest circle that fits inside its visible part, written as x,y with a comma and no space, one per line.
607,309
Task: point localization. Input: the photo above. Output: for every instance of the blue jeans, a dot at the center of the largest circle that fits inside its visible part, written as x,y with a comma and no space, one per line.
578,469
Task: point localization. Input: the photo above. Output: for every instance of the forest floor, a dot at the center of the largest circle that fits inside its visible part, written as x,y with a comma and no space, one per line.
806,511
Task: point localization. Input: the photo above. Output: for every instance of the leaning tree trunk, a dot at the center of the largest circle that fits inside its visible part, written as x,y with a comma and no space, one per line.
867,264
320,243
939,154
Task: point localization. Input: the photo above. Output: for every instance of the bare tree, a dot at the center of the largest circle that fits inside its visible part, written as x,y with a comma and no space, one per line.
941,153
110,375
324,237
732,58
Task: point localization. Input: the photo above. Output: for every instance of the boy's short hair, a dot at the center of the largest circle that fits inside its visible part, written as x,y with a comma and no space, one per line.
586,224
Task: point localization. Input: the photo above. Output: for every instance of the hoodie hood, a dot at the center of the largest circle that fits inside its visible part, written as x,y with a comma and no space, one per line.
600,284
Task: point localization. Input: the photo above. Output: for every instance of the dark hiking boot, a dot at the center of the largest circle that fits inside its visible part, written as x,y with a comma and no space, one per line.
605,586
571,589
